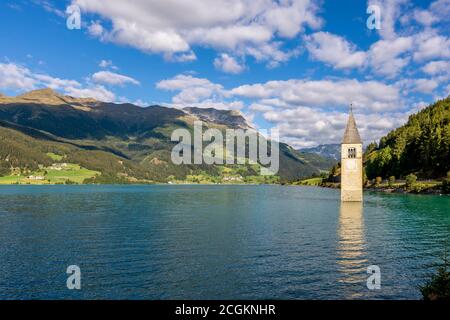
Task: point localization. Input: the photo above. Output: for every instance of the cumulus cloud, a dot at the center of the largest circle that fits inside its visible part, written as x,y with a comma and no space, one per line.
190,89
334,50
306,112
228,64
424,17
309,113
210,103
437,67
111,78
99,93
437,12
304,126
18,78
259,107
391,10
425,85
370,95
55,83
441,9
431,45
424,37
181,57
387,57
421,85
246,27
198,92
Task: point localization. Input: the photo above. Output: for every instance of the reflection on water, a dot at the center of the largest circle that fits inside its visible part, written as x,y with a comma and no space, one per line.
352,258
215,242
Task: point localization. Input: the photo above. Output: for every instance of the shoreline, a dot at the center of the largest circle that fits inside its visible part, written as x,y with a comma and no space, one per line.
371,189
432,190
142,184
435,190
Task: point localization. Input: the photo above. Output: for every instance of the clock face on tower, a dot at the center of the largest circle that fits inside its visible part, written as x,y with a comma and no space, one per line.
350,164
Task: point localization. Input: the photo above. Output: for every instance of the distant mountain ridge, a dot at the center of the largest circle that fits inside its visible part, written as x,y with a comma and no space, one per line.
231,118
332,151
48,97
124,142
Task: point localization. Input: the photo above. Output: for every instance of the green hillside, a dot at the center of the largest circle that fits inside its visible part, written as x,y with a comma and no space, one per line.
421,146
119,143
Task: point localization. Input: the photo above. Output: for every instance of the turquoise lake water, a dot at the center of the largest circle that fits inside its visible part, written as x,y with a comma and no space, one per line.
215,242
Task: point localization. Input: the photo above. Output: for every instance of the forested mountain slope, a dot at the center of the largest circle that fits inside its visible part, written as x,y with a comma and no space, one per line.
421,146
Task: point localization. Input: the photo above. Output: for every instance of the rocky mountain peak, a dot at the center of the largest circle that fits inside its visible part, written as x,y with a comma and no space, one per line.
39,93
48,96
229,118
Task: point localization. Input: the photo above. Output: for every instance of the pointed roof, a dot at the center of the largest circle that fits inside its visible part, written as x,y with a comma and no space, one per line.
351,135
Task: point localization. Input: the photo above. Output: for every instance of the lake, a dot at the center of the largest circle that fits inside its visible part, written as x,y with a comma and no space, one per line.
216,242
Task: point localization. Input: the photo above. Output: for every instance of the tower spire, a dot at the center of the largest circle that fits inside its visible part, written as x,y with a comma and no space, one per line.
351,162
351,134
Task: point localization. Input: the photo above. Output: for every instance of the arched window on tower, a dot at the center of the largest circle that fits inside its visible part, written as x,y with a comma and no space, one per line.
351,153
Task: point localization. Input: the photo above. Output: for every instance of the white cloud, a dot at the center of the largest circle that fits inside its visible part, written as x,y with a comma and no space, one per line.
16,77
228,64
245,27
304,126
181,57
438,11
105,64
99,93
306,112
55,83
369,95
431,45
191,89
386,57
421,85
425,85
441,9
141,103
436,67
424,17
95,29
111,78
209,103
334,50
258,107
391,10
198,92
20,79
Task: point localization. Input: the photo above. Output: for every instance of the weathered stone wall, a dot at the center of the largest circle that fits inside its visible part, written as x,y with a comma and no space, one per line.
351,174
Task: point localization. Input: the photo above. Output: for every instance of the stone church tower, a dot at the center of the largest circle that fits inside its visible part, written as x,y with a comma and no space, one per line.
351,163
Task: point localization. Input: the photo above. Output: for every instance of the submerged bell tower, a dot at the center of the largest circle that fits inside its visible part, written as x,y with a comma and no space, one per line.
351,163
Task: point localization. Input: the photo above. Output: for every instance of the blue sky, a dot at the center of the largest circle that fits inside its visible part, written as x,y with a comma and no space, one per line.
294,65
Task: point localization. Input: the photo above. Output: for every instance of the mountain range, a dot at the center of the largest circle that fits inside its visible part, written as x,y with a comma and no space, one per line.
122,142
331,151
420,147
